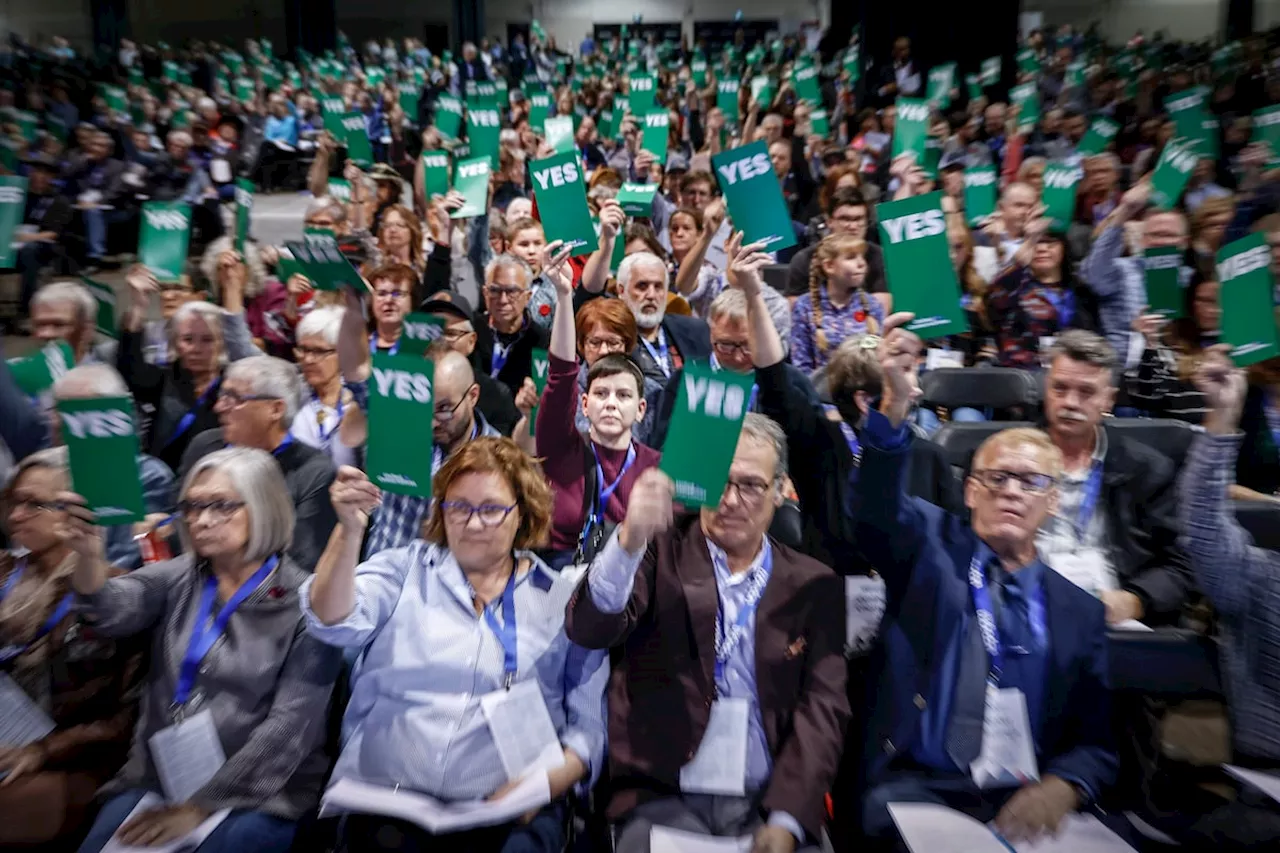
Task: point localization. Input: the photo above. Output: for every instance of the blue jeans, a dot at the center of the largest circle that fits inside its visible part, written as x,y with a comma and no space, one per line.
928,420
241,832
96,225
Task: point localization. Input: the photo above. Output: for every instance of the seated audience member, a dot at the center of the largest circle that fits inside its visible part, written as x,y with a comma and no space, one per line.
506,335
45,218
667,341
257,402
1111,531
83,683
400,242
837,305
712,593
459,333
248,679
973,618
159,490
67,311
1034,299
457,421
591,478
607,327
156,335
1006,231
392,298
847,212
95,179
527,241
826,451
1160,384
247,291
1242,581
434,624
1258,462
319,418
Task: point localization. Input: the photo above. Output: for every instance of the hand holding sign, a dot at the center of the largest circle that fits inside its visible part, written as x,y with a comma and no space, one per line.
1224,387
899,361
611,220
650,510
354,498
527,397
745,264
78,532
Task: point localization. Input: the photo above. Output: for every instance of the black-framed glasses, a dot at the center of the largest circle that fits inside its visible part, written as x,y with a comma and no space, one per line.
1033,483
460,513
511,293
750,492
302,353
235,399
390,294
445,413
219,511
32,505
731,348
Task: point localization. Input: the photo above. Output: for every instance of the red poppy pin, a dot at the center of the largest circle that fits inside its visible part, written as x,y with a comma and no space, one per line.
860,316
275,592
544,309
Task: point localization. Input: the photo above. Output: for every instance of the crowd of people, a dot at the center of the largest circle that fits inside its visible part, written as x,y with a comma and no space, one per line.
279,629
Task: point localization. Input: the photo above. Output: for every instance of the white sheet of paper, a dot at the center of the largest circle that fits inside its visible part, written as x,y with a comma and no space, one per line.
864,601
930,828
1130,625
1083,567
187,755
664,839
436,817
938,358
522,729
1008,757
220,170
21,721
720,765
190,841
1078,833
1264,782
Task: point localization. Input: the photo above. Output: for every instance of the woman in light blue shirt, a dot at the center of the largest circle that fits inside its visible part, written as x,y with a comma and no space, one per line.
462,627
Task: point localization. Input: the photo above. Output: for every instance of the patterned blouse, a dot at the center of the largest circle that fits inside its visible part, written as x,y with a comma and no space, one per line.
838,323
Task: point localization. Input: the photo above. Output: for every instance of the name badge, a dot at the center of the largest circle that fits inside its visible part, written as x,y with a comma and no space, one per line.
1008,757
187,755
1084,567
522,730
720,764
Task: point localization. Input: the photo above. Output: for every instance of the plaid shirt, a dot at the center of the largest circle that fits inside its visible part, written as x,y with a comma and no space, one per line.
1243,582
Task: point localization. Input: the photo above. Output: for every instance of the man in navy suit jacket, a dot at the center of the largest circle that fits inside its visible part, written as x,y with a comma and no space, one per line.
970,609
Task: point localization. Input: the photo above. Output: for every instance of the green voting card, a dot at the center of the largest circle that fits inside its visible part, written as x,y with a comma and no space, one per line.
102,446
917,259
703,435
401,410
754,196
1248,300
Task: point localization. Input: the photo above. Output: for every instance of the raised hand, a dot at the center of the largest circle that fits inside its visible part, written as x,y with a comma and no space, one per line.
554,266
650,510
899,361
745,264
612,219
353,497
1224,387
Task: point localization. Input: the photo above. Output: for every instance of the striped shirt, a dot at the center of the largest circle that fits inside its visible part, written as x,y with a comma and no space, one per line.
1243,582
1153,386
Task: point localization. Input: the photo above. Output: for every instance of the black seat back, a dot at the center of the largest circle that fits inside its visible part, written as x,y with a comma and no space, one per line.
980,387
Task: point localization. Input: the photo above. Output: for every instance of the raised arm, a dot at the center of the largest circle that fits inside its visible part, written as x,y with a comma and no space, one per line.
1099,269
596,271
318,174
329,598
353,341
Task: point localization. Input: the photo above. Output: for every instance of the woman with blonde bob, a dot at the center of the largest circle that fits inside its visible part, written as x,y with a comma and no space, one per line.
232,668
449,698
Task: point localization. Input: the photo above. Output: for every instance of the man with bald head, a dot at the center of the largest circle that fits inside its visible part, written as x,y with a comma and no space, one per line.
1008,228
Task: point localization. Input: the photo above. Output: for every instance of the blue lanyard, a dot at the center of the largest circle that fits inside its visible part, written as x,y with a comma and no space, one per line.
987,620
204,633
1063,302
603,492
728,639
500,353
662,355
326,437
506,632
1088,503
284,445
8,653
373,345
190,417
755,387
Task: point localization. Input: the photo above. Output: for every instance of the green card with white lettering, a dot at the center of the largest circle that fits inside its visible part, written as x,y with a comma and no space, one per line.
13,204
483,128
727,99
990,73
401,408
539,109
410,100
448,116
244,212
754,196
419,332
1192,121
1248,300
820,123
641,93
37,372
356,137
1164,286
541,370
561,195
805,80
942,78
979,193
105,295
340,189
323,262
704,430
471,178
1026,98
1173,170
435,173
637,199
656,131
911,128
917,260
102,448
164,238
1100,134
1059,195
1266,128
559,132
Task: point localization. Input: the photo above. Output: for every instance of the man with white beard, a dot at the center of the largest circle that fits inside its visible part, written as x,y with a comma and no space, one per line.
666,341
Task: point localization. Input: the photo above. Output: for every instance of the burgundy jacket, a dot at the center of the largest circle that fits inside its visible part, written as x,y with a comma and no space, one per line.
663,682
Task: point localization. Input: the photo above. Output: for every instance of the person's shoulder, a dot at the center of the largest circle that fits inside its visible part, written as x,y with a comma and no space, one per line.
151,468
1139,460
204,443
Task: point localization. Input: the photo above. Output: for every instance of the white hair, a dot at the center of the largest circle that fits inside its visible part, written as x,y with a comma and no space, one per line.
179,137
90,380
730,304
326,203
207,312
508,261
252,258
257,478
270,377
322,323
627,268
206,104
69,291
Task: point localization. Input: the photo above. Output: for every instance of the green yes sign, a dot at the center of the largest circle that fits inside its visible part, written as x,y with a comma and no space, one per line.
703,435
102,446
401,408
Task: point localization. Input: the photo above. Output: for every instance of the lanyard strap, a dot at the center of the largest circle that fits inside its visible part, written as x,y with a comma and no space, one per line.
987,620
8,653
728,638
603,492
505,632
204,633
1089,502
283,446
500,353
661,355
190,417
16,575
323,415
373,345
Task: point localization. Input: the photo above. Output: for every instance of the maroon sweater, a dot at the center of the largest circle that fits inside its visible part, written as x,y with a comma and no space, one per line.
562,449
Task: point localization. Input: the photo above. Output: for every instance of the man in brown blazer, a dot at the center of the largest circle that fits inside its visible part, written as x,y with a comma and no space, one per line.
727,706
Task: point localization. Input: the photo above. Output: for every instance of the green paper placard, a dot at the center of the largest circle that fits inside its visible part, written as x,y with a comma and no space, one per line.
1059,195
917,259
820,123
1248,300
640,96
164,238
37,372
941,80
973,83
400,449
418,333
471,178
356,137
805,80
435,173
102,449
698,69
340,188
637,199
448,116
980,184
324,264
559,133
244,211
541,365
727,99
1266,128
1101,132
13,204
911,128
703,435
1028,61
561,195
990,73
539,109
1162,270
1026,98
484,125
754,196
852,63
610,124
1177,161
657,125
410,101
105,295
244,90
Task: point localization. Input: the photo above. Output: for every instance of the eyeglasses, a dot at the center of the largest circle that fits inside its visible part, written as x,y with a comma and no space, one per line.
446,412
303,353
219,511
749,491
455,333
390,294
32,505
460,513
599,344
235,400
1032,484
731,348
512,293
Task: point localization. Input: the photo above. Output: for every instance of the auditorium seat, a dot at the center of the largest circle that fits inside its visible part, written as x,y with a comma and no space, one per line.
961,440
775,275
999,388
1262,521
1170,437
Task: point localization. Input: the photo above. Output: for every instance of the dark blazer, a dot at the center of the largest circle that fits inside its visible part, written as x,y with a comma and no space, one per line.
519,358
1258,465
820,465
923,554
689,335
663,682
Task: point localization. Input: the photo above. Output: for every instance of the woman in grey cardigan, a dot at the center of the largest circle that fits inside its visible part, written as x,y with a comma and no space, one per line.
232,718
